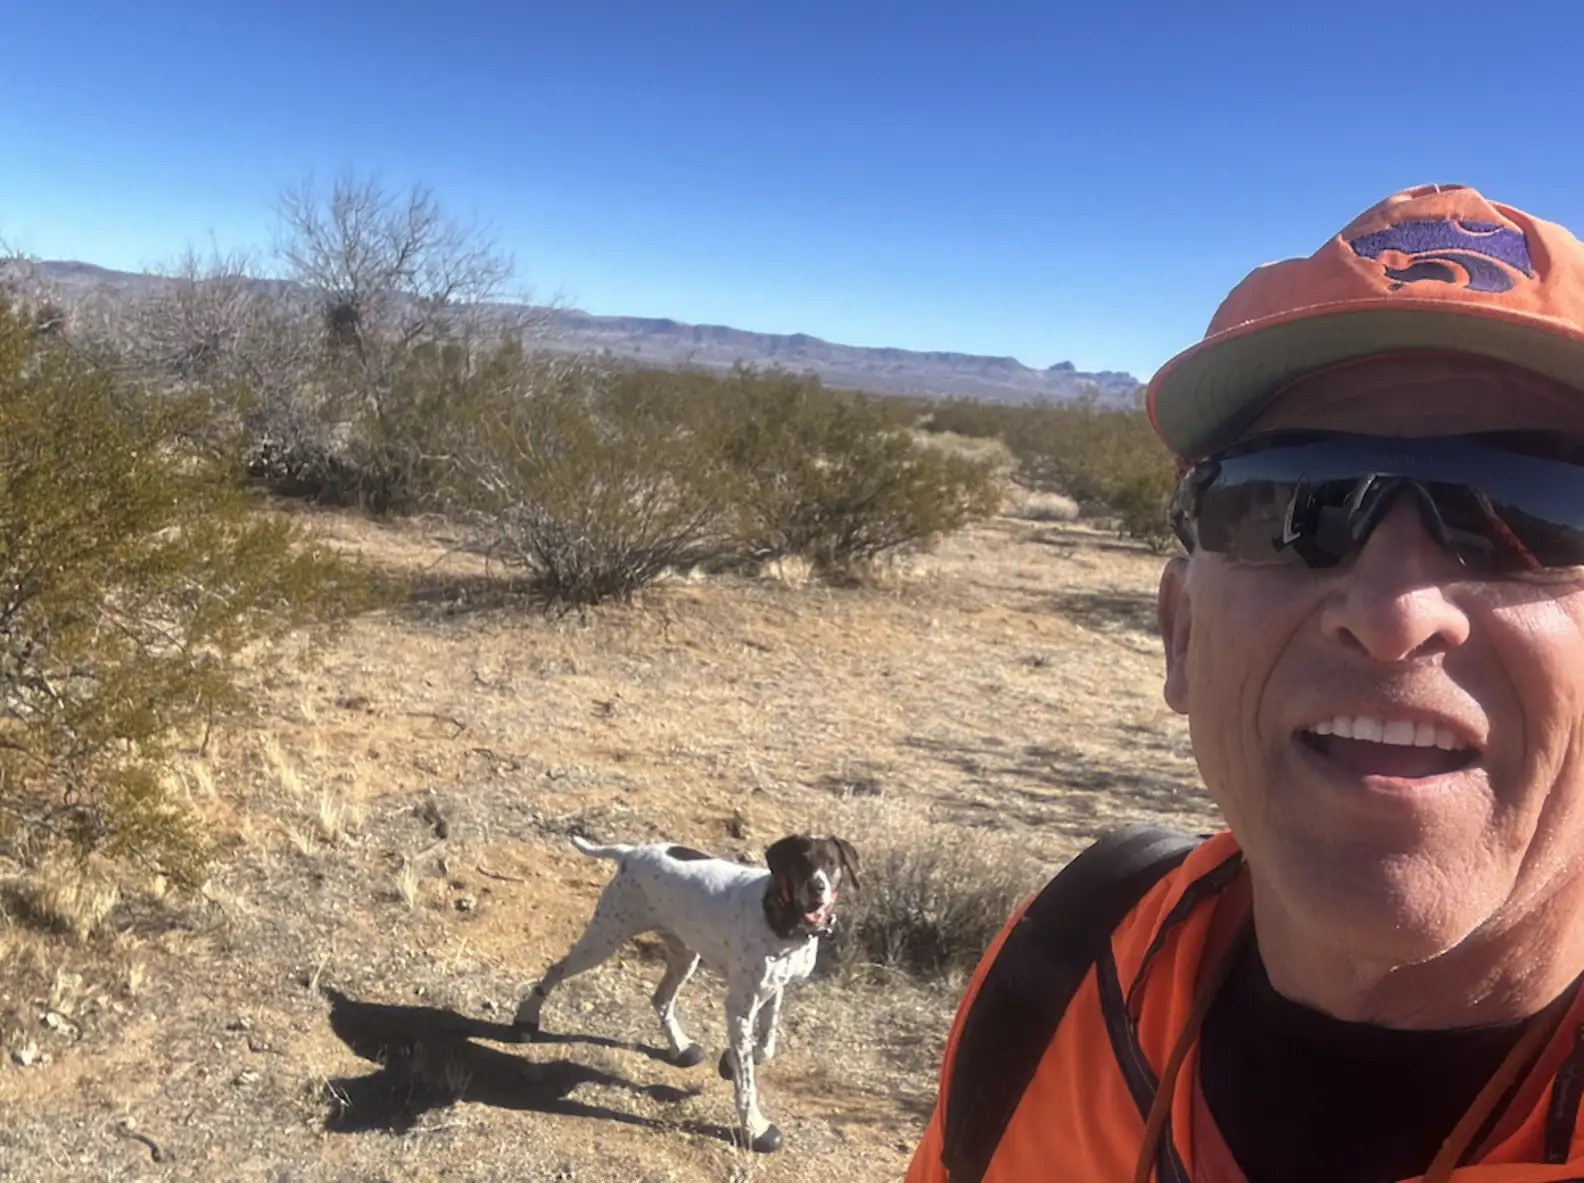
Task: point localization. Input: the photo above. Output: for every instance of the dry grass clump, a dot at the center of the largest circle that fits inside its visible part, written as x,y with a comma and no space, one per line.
988,450
1035,505
337,815
407,884
934,897
62,894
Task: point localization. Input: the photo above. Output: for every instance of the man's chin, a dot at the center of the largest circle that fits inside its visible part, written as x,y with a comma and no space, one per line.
1379,907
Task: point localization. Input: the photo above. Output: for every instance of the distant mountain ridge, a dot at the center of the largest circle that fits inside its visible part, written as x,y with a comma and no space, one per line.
662,342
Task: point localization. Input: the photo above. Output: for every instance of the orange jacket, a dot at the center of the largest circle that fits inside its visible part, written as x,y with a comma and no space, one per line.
1082,1117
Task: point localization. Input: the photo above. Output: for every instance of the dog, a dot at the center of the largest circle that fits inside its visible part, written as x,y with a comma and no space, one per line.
759,928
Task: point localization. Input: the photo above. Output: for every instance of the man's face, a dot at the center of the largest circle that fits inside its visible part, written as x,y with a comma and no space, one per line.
1399,852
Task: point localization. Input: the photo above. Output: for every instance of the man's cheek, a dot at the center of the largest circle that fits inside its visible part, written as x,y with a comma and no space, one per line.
1230,682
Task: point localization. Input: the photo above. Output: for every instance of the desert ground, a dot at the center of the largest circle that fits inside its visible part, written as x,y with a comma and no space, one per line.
396,870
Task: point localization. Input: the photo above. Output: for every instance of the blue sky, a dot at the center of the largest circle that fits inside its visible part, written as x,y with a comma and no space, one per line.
1047,181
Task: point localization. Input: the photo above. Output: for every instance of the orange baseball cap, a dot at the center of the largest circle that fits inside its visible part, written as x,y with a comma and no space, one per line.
1437,267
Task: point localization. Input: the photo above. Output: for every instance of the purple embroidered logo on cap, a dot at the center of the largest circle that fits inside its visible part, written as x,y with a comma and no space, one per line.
1450,251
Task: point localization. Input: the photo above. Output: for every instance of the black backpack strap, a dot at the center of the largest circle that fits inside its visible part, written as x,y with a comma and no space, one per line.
1038,969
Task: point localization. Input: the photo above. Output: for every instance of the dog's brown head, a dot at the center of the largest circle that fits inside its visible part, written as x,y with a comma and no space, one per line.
807,873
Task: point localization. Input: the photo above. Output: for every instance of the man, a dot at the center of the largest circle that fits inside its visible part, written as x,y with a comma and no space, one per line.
1377,637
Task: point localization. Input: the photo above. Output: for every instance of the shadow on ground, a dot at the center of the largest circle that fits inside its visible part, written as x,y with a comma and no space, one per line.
428,595
1071,538
1106,609
428,1059
1063,789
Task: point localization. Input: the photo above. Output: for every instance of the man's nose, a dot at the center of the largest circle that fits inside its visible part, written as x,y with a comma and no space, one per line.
1391,603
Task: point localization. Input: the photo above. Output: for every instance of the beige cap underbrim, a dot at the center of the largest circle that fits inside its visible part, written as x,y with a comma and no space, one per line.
1204,396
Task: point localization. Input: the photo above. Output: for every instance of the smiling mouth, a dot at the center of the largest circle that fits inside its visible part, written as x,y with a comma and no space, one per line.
1398,749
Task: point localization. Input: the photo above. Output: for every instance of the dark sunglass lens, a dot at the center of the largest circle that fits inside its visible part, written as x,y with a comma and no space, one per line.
1501,511
1528,534
1244,519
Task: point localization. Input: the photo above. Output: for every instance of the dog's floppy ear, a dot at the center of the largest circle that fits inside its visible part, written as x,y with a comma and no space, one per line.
849,859
778,857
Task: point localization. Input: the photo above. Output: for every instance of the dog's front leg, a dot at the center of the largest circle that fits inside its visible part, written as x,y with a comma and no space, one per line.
768,1024
742,1007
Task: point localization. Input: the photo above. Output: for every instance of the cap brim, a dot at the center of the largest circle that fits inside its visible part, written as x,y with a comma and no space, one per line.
1208,393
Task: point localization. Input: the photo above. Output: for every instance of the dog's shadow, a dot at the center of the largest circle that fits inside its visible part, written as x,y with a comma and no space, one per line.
428,1059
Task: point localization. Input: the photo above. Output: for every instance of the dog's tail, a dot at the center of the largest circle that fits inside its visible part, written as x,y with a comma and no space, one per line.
613,851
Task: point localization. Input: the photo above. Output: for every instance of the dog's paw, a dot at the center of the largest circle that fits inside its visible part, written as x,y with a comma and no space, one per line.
768,1142
763,1055
689,1057
725,1066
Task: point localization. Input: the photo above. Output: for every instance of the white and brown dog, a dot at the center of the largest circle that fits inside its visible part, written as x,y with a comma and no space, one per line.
757,927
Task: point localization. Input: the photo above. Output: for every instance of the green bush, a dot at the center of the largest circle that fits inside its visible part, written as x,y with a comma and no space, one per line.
392,449
1140,498
1101,457
383,444
831,478
132,573
1108,459
594,478
973,418
586,477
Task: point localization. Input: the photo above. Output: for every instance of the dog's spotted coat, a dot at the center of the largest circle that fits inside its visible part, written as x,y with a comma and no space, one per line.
757,927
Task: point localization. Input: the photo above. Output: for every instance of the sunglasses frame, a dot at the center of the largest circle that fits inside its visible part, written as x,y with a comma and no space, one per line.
1395,462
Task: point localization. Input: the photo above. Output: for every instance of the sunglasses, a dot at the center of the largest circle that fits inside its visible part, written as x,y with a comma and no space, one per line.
1502,502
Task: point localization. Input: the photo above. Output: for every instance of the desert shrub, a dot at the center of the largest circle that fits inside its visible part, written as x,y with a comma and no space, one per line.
1140,495
210,327
390,454
1099,456
132,573
384,452
586,478
49,318
971,417
338,385
831,478
933,898
1106,457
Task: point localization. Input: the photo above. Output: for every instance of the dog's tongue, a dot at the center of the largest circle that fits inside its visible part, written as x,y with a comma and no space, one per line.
817,918
1366,758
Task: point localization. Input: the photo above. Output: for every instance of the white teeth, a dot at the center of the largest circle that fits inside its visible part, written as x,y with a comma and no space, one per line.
1398,732
1365,727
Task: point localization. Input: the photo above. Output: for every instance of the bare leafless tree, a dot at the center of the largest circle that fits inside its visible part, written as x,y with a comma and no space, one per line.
216,325
220,320
391,269
23,283
407,303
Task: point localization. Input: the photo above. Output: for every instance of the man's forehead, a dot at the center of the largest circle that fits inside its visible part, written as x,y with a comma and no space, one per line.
1424,394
